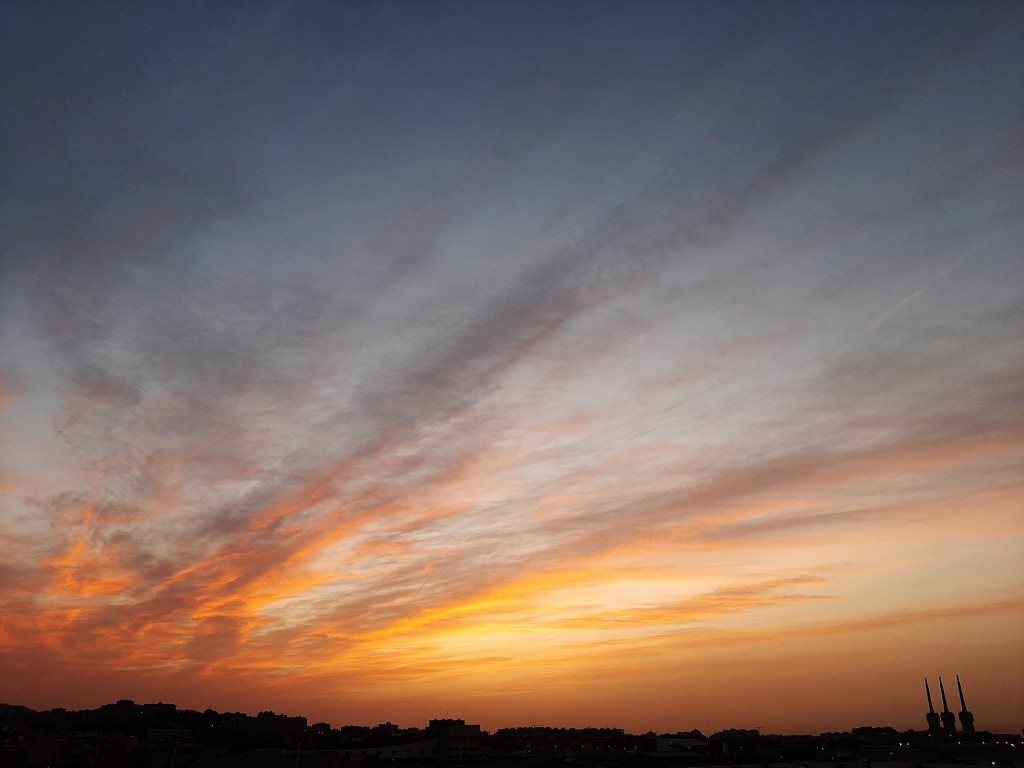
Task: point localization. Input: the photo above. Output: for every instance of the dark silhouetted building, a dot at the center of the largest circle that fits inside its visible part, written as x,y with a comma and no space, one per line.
456,740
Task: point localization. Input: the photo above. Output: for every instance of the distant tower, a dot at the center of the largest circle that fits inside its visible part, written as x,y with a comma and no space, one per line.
948,718
934,728
966,717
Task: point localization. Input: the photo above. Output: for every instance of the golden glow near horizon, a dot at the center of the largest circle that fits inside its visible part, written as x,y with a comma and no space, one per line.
611,382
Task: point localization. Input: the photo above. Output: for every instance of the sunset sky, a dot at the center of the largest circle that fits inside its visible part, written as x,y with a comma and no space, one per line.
656,365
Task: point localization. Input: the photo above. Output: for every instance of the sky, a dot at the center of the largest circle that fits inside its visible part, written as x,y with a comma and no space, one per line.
656,365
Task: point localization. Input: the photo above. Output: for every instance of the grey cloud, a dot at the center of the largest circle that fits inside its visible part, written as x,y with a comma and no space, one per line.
953,373
766,526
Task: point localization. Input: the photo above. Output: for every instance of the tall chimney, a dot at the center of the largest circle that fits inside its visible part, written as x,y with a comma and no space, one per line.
934,728
948,718
966,717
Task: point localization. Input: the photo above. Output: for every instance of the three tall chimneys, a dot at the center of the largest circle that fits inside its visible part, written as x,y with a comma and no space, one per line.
944,725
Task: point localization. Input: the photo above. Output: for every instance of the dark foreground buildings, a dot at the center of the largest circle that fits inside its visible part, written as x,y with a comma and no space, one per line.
130,735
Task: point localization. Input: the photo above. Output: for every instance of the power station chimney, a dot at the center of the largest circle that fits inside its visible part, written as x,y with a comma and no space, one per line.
948,718
966,716
934,728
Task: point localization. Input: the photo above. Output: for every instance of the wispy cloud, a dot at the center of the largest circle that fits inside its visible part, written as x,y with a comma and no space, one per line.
407,366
